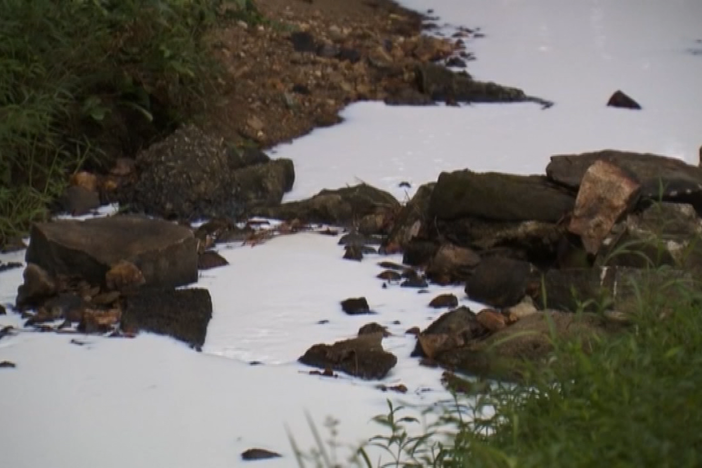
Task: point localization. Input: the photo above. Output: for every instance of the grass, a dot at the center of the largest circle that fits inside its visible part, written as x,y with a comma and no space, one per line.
632,401
85,81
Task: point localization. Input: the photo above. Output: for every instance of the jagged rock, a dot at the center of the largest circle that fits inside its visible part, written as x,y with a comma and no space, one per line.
500,282
338,207
362,357
494,196
353,252
442,84
444,300
210,259
660,177
258,454
355,306
452,264
182,314
38,285
165,253
620,99
7,365
606,193
411,219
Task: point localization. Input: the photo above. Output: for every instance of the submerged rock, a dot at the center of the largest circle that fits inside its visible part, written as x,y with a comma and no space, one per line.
362,357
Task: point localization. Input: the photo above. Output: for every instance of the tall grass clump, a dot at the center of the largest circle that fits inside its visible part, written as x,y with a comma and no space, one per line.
629,399
83,81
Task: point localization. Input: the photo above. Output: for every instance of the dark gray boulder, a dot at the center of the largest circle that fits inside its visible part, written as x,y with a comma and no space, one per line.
500,282
164,252
497,196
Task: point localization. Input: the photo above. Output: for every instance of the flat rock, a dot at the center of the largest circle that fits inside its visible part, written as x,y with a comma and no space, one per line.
362,357
606,193
355,306
210,259
497,196
500,282
258,454
660,177
444,301
182,314
338,207
165,253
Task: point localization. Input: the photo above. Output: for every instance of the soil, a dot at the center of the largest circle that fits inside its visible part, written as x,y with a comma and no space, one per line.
347,51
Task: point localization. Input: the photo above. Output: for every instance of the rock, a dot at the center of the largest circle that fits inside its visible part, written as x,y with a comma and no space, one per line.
258,454
7,365
444,300
640,250
392,266
496,196
210,259
182,314
661,178
355,238
9,266
442,84
491,320
620,288
124,276
165,253
452,329
418,282
390,275
502,355
411,219
240,158
408,97
619,99
606,193
99,321
373,327
456,62
353,252
413,331
355,306
362,357
78,200
419,252
340,207
187,175
303,42
2,310
500,282
123,167
262,184
67,306
457,384
400,388
521,310
374,224
85,180
38,285
452,264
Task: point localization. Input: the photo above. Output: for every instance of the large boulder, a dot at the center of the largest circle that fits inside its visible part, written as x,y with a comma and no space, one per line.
495,196
165,253
182,314
660,177
362,357
193,175
340,207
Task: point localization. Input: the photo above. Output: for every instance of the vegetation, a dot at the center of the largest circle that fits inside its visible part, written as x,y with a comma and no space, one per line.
83,81
632,401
